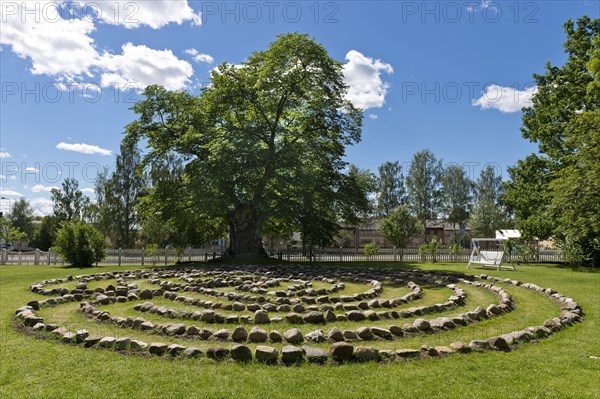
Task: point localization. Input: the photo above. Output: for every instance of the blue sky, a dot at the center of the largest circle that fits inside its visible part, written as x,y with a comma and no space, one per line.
448,76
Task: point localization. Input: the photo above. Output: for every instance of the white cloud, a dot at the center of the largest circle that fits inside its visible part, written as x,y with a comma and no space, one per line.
88,190
41,206
4,178
373,116
4,154
9,193
132,14
362,75
83,148
200,57
505,99
54,45
484,4
32,169
63,48
40,188
144,66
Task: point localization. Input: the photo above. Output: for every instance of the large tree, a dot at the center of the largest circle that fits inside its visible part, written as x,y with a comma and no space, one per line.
399,228
69,202
117,196
556,192
21,216
457,194
488,213
424,186
265,141
390,188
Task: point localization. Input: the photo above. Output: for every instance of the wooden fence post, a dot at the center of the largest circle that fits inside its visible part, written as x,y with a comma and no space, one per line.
37,257
143,255
119,257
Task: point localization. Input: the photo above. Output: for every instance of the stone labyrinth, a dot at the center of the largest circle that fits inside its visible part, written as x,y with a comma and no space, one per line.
289,314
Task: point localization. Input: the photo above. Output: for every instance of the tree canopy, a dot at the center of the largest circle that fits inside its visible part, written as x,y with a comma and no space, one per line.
264,142
390,187
556,192
424,186
21,216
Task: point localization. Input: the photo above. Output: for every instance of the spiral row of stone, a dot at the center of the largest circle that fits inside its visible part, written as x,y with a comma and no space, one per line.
304,305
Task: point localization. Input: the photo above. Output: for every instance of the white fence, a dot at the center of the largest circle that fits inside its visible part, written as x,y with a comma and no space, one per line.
169,256
116,257
396,255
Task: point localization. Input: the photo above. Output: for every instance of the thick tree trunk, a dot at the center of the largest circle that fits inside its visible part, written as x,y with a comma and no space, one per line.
245,232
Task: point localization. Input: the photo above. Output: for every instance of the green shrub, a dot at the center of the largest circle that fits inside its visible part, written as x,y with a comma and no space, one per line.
433,248
371,249
79,244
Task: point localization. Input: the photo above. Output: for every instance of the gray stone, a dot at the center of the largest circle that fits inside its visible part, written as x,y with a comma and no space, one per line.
257,334
217,353
294,318
341,351
315,355
68,337
355,315
499,343
381,332
493,310
291,355
192,352
175,349
316,336
397,331
134,344
314,317
479,345
103,299
460,347
107,342
205,334
371,315
192,330
422,324
91,340
158,348
266,354
122,343
208,316
222,334
335,335
261,317
145,326
364,333
293,336
366,353
241,353
408,353
350,335
176,329
239,334
330,316
275,336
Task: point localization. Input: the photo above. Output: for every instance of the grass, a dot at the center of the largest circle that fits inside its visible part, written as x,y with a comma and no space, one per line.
556,367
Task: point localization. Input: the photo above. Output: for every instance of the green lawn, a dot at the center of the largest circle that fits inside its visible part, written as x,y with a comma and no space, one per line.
556,367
